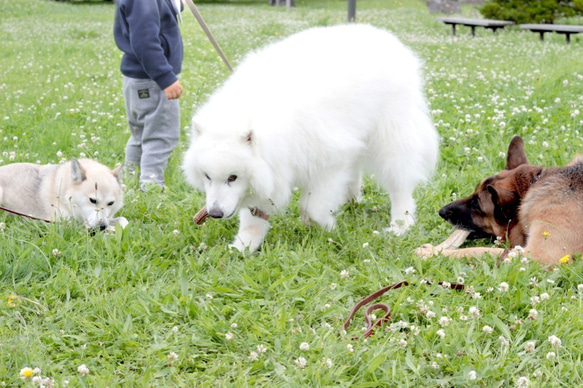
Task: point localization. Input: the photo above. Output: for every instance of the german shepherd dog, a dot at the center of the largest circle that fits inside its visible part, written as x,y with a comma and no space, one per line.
538,209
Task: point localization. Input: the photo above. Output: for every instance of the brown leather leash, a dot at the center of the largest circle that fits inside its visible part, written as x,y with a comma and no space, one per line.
381,306
23,214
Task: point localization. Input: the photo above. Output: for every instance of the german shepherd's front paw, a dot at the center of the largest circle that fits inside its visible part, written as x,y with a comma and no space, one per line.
425,251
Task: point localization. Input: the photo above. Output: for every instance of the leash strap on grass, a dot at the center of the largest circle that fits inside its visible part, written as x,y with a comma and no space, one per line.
207,31
23,215
381,306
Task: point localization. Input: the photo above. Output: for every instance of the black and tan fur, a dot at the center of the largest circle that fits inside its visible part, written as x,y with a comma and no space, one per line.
539,209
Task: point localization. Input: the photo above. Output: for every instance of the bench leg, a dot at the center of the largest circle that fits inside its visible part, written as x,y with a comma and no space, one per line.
473,30
568,38
453,29
542,35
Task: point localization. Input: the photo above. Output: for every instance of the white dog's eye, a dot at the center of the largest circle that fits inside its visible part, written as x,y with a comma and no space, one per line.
232,178
93,200
110,203
207,177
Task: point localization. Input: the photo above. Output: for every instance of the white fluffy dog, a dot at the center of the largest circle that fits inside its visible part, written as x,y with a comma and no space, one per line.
313,111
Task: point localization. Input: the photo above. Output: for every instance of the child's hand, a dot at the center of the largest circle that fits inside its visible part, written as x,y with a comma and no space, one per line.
173,91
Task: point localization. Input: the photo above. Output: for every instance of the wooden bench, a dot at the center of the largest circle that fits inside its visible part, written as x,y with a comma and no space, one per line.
558,28
473,23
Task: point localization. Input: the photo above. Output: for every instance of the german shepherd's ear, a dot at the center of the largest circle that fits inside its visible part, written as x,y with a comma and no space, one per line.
77,172
505,202
516,153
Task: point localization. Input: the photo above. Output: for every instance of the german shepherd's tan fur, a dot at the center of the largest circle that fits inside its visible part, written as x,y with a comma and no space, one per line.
536,208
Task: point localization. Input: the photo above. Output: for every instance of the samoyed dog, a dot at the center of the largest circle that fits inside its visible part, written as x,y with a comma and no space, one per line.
313,111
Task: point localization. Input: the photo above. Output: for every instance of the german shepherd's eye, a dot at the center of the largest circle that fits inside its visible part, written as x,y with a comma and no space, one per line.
232,178
475,203
93,200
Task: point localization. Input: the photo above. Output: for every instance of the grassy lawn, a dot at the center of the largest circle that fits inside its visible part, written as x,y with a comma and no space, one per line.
164,303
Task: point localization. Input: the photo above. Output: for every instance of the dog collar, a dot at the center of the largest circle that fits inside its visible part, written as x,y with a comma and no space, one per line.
255,212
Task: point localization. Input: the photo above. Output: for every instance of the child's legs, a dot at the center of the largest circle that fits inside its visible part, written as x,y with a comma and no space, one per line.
155,128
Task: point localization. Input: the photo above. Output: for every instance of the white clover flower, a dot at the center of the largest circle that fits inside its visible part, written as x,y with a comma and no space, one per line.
535,300
172,357
410,270
234,325
403,343
474,312
301,362
503,287
365,245
344,274
209,296
533,314
522,382
333,286
37,380
327,362
551,355
435,365
444,321
487,329
253,356
304,346
229,336
350,348
503,341
580,287
83,370
430,314
472,375
530,346
544,296
261,349
440,333
555,341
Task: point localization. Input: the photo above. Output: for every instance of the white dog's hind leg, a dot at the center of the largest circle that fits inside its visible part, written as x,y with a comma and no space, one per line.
252,231
402,210
324,197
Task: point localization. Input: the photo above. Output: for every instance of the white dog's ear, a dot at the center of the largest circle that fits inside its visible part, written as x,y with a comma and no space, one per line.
118,173
249,138
77,172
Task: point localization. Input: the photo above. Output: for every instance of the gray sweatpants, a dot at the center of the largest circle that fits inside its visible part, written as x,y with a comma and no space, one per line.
154,123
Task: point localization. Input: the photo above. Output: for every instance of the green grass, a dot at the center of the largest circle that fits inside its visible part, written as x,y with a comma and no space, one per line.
124,303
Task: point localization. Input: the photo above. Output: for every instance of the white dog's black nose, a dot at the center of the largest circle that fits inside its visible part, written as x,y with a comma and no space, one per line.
215,212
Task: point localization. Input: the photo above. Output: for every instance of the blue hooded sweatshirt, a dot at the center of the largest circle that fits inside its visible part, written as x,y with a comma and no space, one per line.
148,34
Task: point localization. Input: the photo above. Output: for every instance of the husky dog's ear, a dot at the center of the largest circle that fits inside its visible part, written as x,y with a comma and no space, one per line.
77,172
516,153
118,173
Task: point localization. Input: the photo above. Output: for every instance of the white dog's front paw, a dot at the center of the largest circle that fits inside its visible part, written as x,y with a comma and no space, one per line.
243,244
238,245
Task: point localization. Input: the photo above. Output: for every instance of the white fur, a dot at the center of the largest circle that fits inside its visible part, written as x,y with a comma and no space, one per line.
313,111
